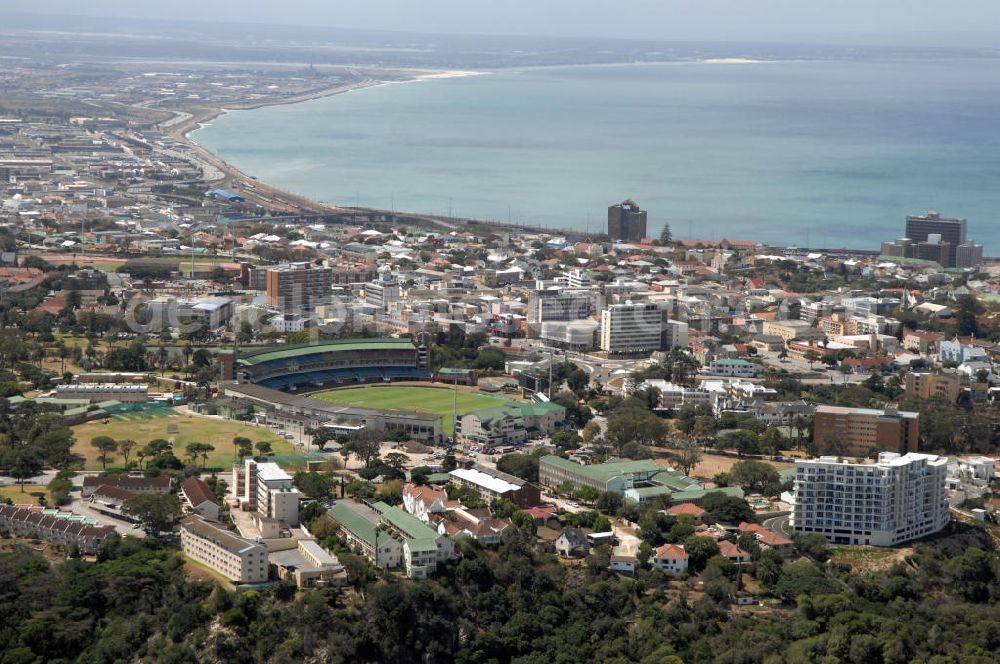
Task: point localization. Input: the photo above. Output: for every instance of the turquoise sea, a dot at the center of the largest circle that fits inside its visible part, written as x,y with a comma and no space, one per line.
829,153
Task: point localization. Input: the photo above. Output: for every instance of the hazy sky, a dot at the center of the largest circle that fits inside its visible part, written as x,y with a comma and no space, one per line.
955,22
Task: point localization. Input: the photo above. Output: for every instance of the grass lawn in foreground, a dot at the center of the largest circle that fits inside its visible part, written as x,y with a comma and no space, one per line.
181,430
436,400
29,497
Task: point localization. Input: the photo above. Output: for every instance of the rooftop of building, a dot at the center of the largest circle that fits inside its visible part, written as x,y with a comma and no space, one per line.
270,354
486,480
844,410
223,538
602,472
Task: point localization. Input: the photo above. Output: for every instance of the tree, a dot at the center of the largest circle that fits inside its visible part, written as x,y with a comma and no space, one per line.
315,485
699,550
244,447
524,522
726,509
106,448
633,424
264,448
195,450
524,466
804,577
396,460
665,235
365,445
810,356
158,511
24,463
590,431
772,441
967,310
687,455
753,476
125,447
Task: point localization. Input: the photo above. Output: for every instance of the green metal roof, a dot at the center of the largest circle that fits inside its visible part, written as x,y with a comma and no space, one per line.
420,536
675,480
438,478
354,522
259,356
602,472
698,494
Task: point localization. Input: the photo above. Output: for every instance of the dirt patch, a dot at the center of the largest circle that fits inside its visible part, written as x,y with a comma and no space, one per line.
710,464
869,558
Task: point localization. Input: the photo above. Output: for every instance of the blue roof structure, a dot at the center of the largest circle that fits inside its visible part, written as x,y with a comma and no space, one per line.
223,193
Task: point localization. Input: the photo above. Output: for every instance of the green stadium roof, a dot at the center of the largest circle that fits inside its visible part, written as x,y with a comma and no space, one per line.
285,352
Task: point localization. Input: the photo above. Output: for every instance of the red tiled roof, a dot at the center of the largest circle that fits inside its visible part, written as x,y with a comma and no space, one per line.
685,508
670,552
197,492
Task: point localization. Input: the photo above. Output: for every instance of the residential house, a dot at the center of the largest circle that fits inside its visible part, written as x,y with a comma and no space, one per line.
671,558
572,544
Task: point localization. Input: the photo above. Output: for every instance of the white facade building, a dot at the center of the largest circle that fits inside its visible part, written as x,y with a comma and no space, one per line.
896,499
235,558
631,328
265,488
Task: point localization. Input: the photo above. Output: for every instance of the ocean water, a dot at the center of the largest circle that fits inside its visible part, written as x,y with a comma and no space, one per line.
813,153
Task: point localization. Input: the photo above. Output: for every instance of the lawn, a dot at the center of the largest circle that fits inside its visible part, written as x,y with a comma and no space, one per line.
181,430
436,400
29,497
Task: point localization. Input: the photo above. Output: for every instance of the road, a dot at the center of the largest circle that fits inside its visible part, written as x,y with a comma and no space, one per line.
777,524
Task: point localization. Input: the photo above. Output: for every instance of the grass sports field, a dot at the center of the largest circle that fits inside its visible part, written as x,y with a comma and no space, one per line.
437,400
181,430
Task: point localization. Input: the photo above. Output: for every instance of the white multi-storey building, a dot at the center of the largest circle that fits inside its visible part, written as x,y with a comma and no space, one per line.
265,488
238,559
896,499
631,328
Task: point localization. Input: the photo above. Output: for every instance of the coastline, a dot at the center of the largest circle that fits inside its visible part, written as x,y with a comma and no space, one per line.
217,170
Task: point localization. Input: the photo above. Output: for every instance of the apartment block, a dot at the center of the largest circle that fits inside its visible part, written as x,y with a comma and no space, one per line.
296,285
944,385
631,329
894,500
860,431
265,488
238,559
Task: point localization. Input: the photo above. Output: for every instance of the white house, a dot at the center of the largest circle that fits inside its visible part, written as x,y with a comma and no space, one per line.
671,558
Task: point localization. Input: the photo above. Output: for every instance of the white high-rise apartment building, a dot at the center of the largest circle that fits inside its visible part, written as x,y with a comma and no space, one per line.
631,328
896,499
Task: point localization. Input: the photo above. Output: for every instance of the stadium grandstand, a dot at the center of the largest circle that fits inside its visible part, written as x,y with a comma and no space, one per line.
334,364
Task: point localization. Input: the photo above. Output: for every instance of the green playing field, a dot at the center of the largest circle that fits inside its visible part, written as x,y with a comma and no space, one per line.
437,400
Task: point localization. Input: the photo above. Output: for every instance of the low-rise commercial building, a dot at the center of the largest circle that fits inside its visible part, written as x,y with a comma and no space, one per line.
309,565
509,424
613,476
492,484
894,500
238,559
